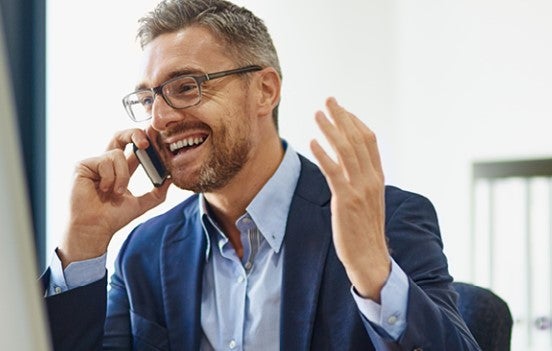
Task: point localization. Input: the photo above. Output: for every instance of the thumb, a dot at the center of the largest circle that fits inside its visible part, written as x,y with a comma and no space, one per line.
155,197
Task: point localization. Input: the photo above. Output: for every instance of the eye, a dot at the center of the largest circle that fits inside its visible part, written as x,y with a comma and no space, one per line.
141,100
146,100
184,87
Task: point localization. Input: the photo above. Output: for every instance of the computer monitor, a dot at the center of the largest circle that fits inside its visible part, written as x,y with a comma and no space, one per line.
22,313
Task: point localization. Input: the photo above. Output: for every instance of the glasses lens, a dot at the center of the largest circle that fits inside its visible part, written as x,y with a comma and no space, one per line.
138,105
182,92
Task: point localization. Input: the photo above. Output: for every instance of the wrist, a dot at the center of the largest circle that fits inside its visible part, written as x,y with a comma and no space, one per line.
369,280
79,245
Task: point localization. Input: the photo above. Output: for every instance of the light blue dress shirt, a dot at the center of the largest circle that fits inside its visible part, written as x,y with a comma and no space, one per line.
240,308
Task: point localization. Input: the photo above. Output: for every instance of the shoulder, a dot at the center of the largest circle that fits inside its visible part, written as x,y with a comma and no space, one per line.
396,194
412,228
399,201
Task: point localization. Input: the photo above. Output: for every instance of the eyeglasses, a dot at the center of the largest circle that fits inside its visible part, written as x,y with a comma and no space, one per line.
179,93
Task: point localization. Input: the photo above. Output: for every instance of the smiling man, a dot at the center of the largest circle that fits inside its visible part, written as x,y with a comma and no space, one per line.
271,252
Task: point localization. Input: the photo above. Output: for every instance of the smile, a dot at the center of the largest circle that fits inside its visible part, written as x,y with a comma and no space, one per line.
186,143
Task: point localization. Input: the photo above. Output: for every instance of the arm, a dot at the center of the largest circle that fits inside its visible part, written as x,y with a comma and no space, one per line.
100,205
415,243
359,230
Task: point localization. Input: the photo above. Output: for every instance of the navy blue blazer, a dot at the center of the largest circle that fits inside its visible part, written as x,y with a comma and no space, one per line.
155,296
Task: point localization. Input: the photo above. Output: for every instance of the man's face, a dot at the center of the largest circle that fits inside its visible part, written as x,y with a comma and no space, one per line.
218,131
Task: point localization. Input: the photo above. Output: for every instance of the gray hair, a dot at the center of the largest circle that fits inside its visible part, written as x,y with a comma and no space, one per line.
244,34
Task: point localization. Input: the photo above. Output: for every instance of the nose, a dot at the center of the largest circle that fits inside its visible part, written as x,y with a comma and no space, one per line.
162,115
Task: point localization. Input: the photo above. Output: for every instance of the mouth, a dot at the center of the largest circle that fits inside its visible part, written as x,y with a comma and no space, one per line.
186,144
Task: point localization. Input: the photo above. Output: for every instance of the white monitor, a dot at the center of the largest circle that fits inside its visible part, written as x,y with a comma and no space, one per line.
22,314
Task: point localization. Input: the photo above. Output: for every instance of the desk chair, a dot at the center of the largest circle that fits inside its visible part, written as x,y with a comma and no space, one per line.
487,316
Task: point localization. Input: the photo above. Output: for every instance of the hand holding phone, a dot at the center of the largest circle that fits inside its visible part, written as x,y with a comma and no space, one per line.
151,162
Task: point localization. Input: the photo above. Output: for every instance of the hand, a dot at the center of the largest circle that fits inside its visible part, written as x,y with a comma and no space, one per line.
101,203
358,206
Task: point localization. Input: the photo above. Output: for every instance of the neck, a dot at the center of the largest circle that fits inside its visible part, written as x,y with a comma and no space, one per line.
230,202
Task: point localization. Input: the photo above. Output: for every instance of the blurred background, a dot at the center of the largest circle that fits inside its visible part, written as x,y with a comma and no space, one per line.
458,93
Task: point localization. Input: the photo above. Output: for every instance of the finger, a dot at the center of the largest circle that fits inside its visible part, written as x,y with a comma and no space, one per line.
122,138
113,172
341,117
155,197
132,162
370,140
330,169
106,174
122,173
345,153
348,125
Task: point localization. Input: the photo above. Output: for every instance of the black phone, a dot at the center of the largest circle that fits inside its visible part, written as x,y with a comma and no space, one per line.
150,161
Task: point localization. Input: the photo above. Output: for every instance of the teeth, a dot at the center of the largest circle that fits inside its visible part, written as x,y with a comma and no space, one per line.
185,142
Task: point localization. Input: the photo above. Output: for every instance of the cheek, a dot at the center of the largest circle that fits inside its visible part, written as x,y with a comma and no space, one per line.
229,113
243,129
235,122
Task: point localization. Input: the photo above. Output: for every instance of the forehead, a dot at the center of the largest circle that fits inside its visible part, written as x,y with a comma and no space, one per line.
193,49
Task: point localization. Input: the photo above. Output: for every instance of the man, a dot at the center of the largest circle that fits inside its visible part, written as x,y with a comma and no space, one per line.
270,253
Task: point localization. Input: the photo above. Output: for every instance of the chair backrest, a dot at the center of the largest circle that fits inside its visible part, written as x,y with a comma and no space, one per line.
487,316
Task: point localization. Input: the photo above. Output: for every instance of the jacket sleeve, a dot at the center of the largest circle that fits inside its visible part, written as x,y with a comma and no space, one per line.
432,321
93,317
76,317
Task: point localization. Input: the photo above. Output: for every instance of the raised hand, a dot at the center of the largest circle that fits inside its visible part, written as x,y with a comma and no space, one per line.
358,206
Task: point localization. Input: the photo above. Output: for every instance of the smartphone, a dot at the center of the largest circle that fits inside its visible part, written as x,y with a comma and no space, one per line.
150,161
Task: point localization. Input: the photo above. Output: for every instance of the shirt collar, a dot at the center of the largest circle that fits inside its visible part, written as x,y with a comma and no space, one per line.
270,207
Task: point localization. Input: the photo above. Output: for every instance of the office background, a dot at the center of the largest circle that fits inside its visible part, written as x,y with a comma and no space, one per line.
443,84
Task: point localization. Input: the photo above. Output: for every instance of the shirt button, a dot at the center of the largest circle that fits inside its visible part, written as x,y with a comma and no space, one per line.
232,344
248,265
392,320
240,279
57,290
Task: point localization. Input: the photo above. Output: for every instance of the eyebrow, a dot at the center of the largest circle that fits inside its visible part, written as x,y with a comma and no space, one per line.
173,74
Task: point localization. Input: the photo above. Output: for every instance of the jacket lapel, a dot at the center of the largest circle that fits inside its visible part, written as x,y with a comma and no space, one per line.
182,261
307,239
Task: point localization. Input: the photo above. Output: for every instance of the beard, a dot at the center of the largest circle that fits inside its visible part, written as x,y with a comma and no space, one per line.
229,153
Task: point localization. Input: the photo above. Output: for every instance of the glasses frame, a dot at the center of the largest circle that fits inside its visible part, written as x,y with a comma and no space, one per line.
200,79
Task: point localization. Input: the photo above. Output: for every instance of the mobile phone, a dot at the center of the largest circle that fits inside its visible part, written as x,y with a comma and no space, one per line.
150,161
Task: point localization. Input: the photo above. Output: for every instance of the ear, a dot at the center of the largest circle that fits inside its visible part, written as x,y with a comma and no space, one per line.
269,85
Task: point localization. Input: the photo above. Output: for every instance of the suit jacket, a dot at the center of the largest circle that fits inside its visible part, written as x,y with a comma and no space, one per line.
155,296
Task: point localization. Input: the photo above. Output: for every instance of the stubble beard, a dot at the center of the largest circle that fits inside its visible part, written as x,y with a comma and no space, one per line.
227,157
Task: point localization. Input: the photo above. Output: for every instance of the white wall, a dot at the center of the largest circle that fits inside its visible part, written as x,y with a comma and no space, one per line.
474,83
